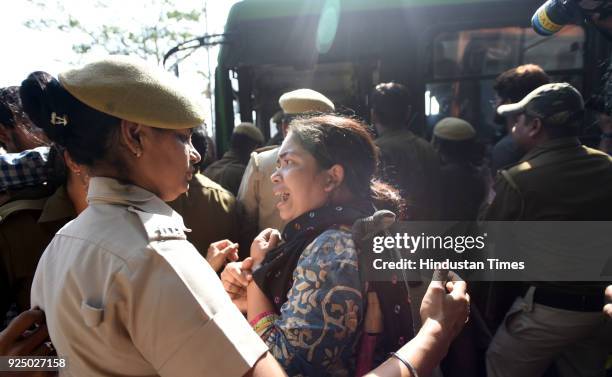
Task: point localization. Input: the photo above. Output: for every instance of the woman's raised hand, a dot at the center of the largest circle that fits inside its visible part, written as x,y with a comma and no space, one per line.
235,278
448,304
267,240
221,252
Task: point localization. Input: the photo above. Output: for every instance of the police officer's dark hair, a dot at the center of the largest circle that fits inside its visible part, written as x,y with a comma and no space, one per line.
243,143
333,139
514,84
391,103
88,134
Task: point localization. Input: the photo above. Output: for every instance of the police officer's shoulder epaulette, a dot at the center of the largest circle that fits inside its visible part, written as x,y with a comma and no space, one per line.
161,227
256,158
507,174
21,205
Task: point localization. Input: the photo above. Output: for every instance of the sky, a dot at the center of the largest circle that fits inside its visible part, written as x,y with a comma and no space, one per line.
27,50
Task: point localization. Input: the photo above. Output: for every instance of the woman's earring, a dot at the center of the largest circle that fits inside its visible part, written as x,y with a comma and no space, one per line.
137,154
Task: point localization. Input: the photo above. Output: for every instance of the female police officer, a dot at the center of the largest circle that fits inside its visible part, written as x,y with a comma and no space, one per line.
123,290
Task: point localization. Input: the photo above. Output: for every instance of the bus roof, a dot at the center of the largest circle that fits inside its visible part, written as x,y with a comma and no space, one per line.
290,31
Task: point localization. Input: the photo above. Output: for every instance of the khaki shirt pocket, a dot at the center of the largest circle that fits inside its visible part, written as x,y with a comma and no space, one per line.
92,316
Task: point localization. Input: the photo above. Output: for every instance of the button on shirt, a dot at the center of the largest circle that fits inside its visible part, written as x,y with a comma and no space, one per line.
125,293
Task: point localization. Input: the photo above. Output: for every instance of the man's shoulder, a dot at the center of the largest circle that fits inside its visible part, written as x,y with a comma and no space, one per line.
266,152
19,207
207,184
402,138
264,160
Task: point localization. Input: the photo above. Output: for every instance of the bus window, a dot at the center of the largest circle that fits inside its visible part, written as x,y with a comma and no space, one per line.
466,63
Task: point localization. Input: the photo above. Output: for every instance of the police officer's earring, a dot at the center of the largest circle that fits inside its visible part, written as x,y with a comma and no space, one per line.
138,154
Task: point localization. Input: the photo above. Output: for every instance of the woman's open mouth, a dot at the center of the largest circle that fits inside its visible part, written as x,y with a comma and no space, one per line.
283,197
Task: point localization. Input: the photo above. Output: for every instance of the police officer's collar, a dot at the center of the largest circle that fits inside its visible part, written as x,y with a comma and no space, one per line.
111,191
558,143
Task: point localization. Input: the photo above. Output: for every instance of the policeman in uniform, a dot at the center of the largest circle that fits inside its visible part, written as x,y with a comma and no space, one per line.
228,171
28,223
124,292
463,186
208,200
407,161
26,228
558,179
255,193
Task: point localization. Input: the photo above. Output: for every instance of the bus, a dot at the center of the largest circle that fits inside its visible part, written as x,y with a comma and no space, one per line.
447,52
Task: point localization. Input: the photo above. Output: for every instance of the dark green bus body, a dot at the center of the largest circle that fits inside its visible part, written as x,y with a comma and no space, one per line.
446,51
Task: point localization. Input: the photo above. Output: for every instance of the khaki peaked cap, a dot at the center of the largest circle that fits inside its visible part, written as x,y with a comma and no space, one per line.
454,129
304,101
130,89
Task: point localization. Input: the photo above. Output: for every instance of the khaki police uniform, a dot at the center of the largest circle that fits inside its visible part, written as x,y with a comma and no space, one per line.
255,194
227,171
125,293
26,228
210,211
559,180
412,165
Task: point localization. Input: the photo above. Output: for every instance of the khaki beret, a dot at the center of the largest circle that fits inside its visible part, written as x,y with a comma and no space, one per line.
454,129
129,88
248,129
304,101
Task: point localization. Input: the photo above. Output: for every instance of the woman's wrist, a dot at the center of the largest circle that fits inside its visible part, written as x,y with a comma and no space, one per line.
257,302
427,348
256,261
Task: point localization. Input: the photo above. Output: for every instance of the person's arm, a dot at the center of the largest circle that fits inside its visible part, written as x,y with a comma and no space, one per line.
444,312
28,168
18,340
319,322
443,315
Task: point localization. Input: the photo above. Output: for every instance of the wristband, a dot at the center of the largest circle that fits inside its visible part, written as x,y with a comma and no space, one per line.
260,316
406,363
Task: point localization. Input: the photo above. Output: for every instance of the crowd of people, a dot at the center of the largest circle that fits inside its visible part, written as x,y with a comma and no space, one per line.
132,254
